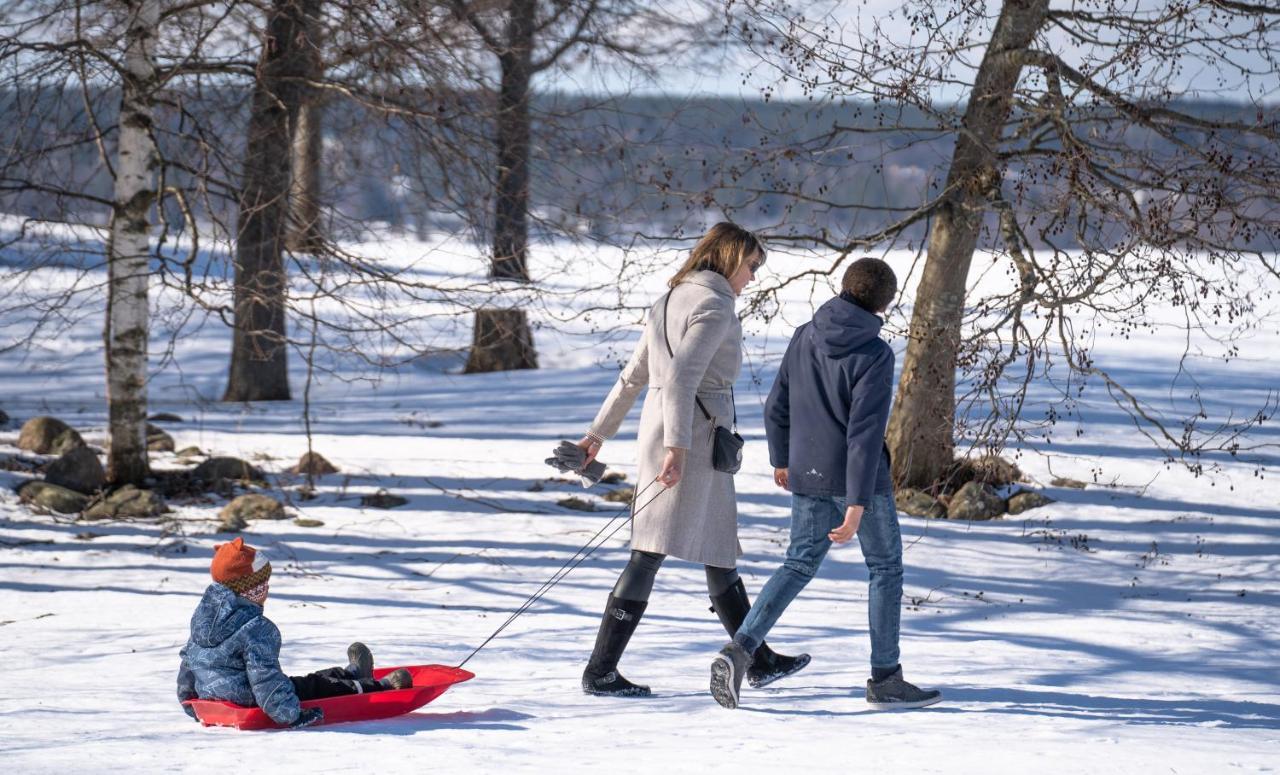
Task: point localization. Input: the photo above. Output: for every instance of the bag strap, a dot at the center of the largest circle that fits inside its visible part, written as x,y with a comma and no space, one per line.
666,300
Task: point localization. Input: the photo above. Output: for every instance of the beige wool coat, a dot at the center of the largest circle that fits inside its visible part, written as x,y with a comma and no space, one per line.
696,520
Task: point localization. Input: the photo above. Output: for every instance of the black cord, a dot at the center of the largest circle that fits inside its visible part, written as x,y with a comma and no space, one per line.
573,562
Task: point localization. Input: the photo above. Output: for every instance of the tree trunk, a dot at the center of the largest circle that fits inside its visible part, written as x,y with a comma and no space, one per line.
259,364
502,339
128,253
921,430
306,233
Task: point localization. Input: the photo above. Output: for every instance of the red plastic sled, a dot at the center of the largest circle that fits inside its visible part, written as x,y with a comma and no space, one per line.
429,682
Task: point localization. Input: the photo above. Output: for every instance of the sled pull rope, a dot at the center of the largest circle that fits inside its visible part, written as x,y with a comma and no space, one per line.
579,557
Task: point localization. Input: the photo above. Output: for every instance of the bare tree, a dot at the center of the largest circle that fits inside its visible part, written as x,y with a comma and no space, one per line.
259,353
306,231
921,431
1075,150
129,251
528,37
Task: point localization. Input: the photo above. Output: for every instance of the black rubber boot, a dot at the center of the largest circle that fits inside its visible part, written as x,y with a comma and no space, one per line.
397,679
767,666
601,677
359,661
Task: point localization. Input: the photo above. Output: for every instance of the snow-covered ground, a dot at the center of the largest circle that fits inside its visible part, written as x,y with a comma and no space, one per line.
1128,627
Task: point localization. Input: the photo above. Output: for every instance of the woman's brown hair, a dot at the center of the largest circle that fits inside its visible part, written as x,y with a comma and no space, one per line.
723,249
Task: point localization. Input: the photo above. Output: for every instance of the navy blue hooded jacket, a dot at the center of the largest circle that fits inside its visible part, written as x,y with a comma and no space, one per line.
826,415
234,654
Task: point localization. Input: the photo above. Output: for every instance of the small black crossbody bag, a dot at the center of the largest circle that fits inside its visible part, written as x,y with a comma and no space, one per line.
726,444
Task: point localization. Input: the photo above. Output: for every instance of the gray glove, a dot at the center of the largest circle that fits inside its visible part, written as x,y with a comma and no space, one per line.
570,458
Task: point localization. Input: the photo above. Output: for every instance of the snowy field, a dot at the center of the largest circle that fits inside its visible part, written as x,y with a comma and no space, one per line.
1129,627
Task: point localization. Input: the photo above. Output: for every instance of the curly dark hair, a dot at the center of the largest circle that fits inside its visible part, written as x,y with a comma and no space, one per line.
870,283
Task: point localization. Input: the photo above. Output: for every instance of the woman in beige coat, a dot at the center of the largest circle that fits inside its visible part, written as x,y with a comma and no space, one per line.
689,357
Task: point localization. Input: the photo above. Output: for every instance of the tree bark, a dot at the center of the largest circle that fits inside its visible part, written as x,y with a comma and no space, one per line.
921,430
306,232
259,362
502,339
128,253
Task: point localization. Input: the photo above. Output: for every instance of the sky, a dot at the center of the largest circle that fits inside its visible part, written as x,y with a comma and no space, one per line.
735,71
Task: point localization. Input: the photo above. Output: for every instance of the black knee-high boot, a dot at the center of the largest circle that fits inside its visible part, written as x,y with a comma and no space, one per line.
732,606
601,676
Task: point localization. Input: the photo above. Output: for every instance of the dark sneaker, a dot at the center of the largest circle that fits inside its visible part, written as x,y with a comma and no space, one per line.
359,661
727,672
612,684
768,666
895,693
397,679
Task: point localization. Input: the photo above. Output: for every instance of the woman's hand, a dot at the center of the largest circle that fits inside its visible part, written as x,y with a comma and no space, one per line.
852,518
590,447
781,478
672,467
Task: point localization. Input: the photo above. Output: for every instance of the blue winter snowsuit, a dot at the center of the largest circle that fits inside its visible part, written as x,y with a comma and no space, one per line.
830,433
234,655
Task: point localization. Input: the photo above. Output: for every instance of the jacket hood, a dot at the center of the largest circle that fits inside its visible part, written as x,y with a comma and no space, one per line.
840,327
220,614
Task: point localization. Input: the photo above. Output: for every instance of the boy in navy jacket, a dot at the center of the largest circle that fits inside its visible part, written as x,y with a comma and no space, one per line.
825,421
233,653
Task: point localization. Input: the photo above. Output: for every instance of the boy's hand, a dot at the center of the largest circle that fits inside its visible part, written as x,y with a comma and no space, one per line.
852,518
308,717
780,478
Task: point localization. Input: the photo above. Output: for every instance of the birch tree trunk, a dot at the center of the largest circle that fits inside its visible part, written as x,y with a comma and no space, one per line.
501,339
259,345
921,430
128,253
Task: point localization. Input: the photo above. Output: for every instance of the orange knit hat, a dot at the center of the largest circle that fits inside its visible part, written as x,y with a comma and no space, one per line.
241,568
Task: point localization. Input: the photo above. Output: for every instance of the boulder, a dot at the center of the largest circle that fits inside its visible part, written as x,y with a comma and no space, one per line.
988,469
158,440
1027,500
48,436
232,523
4,418
919,504
190,452
252,506
313,463
53,497
1063,481
164,417
976,500
620,495
128,502
232,469
77,470
382,500
305,522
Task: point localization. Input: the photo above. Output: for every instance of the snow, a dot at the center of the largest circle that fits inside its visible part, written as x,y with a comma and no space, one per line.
1128,627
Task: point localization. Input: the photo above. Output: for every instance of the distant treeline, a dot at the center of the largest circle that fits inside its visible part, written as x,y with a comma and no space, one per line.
605,168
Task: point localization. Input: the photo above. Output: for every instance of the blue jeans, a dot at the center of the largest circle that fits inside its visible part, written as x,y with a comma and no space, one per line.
812,517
